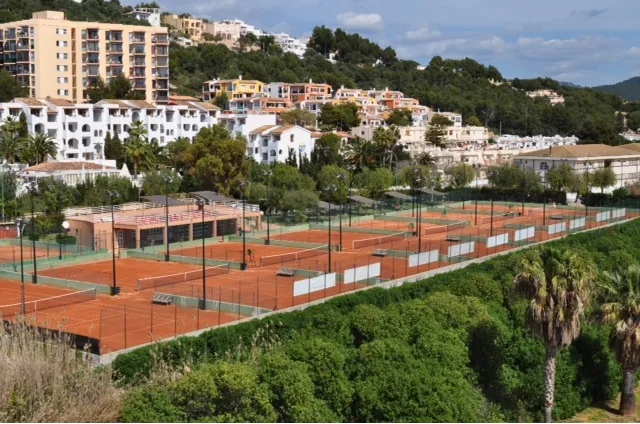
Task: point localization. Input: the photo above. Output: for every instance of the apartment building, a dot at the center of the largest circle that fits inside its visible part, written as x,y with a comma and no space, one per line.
150,15
192,27
349,93
553,97
227,30
273,143
58,58
259,104
241,124
623,160
289,44
385,94
234,88
301,92
456,118
80,129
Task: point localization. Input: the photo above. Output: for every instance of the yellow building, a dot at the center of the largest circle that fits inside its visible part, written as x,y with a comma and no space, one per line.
234,88
58,58
192,27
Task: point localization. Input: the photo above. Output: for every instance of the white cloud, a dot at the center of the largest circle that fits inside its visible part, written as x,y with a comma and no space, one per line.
635,51
422,34
362,21
460,46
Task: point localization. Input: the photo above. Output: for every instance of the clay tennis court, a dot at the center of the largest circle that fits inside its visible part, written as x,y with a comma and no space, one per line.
231,251
322,237
9,254
255,287
11,294
128,271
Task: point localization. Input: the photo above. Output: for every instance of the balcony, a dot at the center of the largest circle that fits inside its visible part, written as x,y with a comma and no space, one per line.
10,34
23,57
137,38
114,36
23,45
138,73
161,51
93,70
162,62
93,47
93,34
161,97
161,73
9,46
93,58
136,49
9,59
160,39
139,61
139,84
115,48
115,60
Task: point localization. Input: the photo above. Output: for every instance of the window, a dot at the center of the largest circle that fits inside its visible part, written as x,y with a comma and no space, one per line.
265,142
63,92
265,157
63,80
62,68
291,138
272,152
61,43
63,56
61,31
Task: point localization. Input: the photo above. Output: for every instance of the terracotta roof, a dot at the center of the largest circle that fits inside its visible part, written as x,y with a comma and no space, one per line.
580,151
262,129
68,166
178,98
205,105
121,104
634,147
29,101
282,128
60,102
141,104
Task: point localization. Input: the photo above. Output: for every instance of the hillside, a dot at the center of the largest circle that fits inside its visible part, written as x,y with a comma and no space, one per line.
629,89
461,86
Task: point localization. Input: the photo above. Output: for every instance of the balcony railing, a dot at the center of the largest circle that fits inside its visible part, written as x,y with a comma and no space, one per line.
137,50
93,35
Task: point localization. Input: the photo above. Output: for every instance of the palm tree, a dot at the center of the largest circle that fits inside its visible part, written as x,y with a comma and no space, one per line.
361,154
425,159
557,284
621,292
41,147
385,139
11,126
10,147
138,131
138,152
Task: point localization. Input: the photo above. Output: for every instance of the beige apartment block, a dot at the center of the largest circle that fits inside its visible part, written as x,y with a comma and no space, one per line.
58,58
192,27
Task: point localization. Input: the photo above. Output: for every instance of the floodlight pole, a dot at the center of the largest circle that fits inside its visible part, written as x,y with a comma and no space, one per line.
204,274
22,288
33,235
113,195
243,266
167,180
268,241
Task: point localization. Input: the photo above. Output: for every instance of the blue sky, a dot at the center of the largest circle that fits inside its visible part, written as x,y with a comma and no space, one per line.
587,42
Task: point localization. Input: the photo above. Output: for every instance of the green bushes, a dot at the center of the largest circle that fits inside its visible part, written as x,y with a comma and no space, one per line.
449,348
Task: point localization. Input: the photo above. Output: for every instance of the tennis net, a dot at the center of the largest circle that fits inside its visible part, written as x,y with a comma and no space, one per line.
293,256
444,228
8,311
359,244
165,280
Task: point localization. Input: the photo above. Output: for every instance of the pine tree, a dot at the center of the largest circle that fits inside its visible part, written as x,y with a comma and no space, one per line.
291,159
23,133
113,149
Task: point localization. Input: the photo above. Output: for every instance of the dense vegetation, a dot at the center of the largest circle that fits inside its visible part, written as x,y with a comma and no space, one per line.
450,348
628,89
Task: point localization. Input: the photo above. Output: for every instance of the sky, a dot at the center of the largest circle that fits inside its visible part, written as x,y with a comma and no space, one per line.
586,42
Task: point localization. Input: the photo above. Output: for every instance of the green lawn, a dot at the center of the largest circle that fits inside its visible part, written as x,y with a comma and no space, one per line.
604,414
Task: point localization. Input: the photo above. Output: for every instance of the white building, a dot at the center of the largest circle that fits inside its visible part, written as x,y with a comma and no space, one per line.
242,123
289,44
623,160
249,29
273,143
80,129
456,118
150,15
534,143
